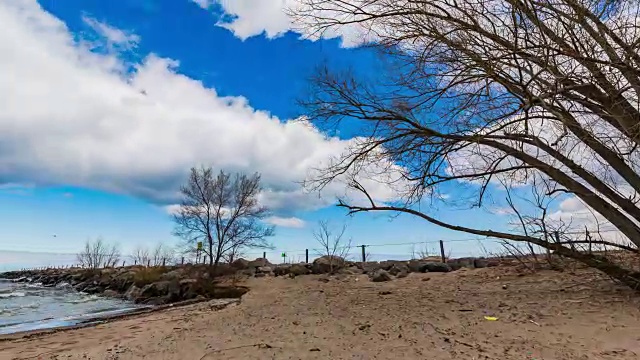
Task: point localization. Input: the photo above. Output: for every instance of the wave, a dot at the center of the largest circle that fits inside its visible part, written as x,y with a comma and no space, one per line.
12,294
85,299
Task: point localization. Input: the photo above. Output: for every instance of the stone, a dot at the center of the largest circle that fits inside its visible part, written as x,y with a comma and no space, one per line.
299,269
380,276
258,263
327,264
110,293
240,264
435,267
264,269
132,293
398,268
282,270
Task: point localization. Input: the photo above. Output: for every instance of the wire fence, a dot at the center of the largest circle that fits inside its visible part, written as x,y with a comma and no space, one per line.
442,249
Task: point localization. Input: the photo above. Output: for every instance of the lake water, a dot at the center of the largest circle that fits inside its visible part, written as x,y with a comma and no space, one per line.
25,307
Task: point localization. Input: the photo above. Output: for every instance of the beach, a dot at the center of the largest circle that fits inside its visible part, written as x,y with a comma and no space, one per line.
490,313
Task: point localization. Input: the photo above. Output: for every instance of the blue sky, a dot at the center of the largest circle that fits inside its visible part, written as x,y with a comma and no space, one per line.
86,154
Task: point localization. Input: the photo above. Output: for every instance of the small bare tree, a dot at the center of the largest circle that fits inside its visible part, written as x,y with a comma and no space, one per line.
141,256
162,255
98,254
333,245
223,212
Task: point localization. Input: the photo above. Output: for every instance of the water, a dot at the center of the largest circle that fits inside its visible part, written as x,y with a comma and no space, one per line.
25,307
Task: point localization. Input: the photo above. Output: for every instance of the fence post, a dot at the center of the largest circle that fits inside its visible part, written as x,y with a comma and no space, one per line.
164,261
444,260
306,255
364,255
182,263
122,263
264,254
148,263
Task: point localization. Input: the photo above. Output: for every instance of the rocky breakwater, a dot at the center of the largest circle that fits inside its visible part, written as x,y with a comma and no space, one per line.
142,285
377,271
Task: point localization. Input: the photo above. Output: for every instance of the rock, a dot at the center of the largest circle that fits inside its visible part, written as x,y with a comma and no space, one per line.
258,263
282,270
264,269
398,268
161,300
240,264
435,267
415,265
299,269
258,275
327,264
172,275
403,274
132,293
379,276
111,293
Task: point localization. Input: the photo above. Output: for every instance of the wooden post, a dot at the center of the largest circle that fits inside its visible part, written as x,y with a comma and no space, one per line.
264,254
135,262
122,263
148,263
164,261
364,255
444,260
306,255
182,262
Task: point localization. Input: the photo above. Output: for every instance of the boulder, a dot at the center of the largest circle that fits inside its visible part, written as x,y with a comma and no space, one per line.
299,269
258,263
240,264
435,267
282,270
327,264
264,270
111,293
132,293
380,276
369,267
397,268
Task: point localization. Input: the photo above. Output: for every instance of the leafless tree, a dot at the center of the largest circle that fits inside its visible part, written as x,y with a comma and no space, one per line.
98,254
223,212
162,255
141,256
490,94
333,244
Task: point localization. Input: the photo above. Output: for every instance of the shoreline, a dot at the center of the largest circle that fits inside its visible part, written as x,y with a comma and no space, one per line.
30,334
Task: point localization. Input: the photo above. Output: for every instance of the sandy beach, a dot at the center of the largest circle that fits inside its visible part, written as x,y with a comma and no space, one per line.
547,315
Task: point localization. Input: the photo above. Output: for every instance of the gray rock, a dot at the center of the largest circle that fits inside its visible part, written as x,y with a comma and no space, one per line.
258,263
111,293
435,267
398,268
240,264
327,264
264,269
380,276
299,269
133,293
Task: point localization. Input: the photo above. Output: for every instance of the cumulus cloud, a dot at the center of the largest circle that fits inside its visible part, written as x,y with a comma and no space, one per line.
289,222
72,116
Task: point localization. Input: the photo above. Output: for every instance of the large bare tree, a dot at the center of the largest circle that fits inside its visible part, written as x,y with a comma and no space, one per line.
98,254
222,212
536,97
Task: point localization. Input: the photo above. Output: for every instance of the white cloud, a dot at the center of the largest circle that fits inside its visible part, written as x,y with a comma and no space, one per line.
288,222
205,4
75,117
114,37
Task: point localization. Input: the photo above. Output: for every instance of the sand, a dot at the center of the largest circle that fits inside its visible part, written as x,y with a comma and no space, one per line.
547,315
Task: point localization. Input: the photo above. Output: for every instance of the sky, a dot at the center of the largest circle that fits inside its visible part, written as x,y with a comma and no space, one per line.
105,105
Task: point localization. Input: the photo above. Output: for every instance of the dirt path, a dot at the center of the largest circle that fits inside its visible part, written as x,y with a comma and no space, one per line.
547,315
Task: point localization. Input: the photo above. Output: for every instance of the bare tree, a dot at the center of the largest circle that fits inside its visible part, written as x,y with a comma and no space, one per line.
141,256
223,212
490,94
98,254
333,244
162,255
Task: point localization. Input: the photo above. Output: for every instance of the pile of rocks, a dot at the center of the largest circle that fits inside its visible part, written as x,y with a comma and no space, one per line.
378,271
152,286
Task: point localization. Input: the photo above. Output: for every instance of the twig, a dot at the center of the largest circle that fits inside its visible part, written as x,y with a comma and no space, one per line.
259,345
